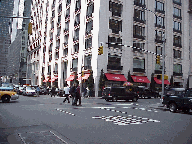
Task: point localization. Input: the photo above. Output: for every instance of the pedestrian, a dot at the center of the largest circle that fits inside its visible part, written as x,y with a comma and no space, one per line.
66,92
48,90
73,94
37,90
87,94
53,91
78,95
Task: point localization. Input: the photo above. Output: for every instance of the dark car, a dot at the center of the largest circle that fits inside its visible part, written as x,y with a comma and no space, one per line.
118,93
144,92
178,99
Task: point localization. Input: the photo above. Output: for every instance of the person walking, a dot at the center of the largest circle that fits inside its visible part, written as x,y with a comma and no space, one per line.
66,92
53,91
37,91
78,95
73,94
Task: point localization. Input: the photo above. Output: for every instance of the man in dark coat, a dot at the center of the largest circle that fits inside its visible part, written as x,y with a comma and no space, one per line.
53,91
73,94
78,95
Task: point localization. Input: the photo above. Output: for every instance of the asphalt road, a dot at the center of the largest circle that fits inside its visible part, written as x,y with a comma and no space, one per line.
47,120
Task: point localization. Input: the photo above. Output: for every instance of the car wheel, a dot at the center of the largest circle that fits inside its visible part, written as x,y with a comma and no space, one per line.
172,107
6,99
134,99
114,99
186,110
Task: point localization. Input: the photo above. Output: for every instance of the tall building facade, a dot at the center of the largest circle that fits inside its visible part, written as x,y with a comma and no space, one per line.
17,51
6,9
67,34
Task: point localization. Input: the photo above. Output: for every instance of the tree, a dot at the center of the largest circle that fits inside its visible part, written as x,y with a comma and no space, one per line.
129,77
75,79
171,81
101,81
90,82
187,86
152,84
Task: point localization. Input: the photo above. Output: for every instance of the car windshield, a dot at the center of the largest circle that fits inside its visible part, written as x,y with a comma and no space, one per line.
29,88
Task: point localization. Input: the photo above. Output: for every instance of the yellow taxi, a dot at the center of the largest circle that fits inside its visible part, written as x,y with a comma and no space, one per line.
7,94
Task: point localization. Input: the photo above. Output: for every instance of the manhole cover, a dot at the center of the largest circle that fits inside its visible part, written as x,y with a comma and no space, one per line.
47,137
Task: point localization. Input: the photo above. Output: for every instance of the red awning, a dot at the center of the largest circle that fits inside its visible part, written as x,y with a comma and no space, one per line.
53,79
158,81
46,80
70,78
86,76
140,79
115,77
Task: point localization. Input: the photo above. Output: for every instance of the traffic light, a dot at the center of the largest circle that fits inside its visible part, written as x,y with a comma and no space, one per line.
100,50
82,73
157,59
30,28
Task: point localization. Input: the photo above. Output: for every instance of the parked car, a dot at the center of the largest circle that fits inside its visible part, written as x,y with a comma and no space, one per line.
29,91
178,99
20,90
6,94
144,92
118,93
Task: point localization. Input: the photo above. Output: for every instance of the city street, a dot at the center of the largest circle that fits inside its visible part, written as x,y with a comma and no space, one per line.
47,120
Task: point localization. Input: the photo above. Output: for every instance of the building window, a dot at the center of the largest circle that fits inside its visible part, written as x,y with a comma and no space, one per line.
115,8
66,26
115,25
68,2
177,53
177,25
67,13
138,45
66,37
138,32
87,61
159,22
76,47
139,2
138,65
114,62
78,5
90,10
88,43
89,27
176,12
139,15
159,36
74,63
60,8
177,68
65,52
77,20
177,41
159,7
114,40
177,2
76,35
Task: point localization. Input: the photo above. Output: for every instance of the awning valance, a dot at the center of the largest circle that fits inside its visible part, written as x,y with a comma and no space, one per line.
140,79
53,79
85,77
158,81
115,77
46,80
70,78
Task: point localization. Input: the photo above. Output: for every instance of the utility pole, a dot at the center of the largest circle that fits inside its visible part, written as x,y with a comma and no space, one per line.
163,56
